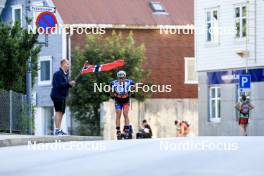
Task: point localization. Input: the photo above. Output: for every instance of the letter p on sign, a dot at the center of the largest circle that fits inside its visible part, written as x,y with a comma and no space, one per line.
244,81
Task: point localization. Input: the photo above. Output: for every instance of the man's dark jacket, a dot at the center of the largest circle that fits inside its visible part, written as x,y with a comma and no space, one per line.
60,85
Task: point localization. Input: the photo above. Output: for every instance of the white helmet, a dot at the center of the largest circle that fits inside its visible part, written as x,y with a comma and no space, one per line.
121,74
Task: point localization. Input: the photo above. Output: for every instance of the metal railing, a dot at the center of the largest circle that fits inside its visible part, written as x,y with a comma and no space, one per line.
14,116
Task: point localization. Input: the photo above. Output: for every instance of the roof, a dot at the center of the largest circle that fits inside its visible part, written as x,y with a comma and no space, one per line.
125,12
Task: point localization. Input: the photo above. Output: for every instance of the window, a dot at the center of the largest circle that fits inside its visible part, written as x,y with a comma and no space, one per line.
212,25
17,14
190,71
158,8
215,104
241,21
45,70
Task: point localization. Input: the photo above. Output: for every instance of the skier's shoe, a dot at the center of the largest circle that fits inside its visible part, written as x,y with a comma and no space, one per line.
128,132
126,135
118,135
56,132
62,132
59,132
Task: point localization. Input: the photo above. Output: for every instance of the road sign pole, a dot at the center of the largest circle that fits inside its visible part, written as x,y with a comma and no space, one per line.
29,74
29,79
29,98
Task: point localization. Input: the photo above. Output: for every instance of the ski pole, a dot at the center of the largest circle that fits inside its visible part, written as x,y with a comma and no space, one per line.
130,104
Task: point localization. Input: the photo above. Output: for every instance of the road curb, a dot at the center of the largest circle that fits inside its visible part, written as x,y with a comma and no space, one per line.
45,139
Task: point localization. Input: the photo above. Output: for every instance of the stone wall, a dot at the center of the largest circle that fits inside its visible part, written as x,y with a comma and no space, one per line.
160,113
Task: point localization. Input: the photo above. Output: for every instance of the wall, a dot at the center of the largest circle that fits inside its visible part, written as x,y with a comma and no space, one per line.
160,113
43,114
223,55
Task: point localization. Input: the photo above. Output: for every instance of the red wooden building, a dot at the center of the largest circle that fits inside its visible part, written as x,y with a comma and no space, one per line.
168,55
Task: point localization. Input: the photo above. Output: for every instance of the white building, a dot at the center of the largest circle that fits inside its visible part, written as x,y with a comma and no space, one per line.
236,42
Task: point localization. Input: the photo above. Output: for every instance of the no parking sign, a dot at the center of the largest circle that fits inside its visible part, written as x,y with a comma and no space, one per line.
46,21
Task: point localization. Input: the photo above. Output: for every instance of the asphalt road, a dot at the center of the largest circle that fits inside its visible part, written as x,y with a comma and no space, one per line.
202,156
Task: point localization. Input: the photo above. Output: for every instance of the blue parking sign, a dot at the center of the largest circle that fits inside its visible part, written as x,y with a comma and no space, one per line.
244,81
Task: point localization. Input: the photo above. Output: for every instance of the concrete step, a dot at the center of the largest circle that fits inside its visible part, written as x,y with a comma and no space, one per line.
7,140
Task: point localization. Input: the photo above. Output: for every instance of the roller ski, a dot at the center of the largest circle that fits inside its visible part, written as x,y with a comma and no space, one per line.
126,136
119,135
127,133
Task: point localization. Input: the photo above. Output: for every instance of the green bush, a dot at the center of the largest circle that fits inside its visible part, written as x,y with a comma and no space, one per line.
16,45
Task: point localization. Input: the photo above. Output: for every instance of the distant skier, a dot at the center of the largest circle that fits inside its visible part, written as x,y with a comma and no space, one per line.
122,89
244,107
183,128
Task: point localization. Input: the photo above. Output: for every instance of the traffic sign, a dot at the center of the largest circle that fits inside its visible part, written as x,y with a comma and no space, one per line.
46,21
43,9
244,81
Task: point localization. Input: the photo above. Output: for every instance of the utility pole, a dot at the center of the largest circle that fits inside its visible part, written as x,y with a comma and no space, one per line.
29,74
29,94
29,71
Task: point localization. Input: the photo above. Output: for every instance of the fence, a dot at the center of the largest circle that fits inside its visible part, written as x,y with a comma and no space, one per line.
14,113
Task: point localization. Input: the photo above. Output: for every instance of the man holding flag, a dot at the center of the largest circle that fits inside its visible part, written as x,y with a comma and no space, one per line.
61,85
59,92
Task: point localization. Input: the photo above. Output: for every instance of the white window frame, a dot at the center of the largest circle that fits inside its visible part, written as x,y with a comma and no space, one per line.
186,81
211,11
47,82
163,11
240,6
215,119
15,7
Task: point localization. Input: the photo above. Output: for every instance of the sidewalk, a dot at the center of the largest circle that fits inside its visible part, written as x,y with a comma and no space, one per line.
7,140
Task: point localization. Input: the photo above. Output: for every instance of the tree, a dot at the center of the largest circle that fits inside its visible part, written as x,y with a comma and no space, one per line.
84,102
16,45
